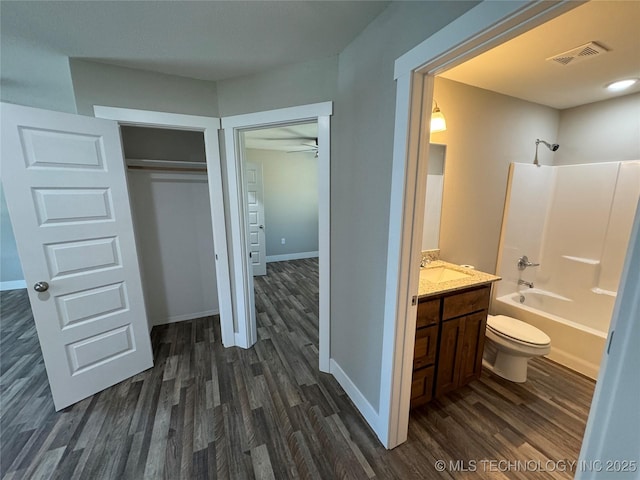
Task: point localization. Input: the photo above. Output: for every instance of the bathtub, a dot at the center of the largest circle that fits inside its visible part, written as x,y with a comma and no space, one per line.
576,346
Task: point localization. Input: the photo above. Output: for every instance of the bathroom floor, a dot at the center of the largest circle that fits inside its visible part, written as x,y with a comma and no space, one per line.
204,411
498,429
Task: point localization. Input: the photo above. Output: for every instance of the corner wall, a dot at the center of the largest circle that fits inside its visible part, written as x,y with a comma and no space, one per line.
604,131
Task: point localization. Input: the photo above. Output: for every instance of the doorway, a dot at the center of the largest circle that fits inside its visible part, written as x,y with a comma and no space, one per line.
241,262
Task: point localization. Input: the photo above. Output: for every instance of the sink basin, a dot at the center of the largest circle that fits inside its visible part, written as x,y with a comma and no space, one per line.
441,274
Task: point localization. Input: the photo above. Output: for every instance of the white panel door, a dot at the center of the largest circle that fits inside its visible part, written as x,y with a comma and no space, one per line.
255,207
64,180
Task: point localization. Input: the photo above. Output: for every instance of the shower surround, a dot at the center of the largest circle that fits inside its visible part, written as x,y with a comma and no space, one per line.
575,221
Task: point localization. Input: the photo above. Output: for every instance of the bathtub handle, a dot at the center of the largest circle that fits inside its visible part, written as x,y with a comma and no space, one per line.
523,262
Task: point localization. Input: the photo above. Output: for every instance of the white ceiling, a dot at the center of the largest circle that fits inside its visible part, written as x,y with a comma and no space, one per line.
294,138
518,68
209,40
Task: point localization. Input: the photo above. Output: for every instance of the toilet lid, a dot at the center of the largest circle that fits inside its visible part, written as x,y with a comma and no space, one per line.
518,330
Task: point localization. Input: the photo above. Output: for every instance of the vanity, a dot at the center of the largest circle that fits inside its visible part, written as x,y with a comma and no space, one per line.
453,304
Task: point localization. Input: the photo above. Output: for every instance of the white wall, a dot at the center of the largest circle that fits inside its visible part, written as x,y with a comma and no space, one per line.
603,131
290,200
109,85
361,159
486,131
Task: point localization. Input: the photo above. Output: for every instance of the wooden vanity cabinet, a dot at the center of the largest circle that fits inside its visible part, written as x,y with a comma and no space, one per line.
450,333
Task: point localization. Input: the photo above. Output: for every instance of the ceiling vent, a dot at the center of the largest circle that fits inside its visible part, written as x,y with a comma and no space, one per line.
578,54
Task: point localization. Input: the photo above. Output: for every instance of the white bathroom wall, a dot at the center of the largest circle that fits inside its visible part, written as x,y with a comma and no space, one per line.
526,209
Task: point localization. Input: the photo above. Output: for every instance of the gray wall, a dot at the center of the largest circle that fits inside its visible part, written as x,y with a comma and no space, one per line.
298,84
10,269
486,131
361,158
600,132
290,200
101,84
34,76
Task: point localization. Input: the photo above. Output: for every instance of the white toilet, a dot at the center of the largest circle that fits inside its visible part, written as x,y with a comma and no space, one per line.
509,344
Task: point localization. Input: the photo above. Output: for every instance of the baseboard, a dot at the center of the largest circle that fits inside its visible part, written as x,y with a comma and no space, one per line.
291,256
356,396
12,285
185,317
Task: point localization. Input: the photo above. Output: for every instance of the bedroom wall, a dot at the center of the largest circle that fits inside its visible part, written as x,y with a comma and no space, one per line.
290,201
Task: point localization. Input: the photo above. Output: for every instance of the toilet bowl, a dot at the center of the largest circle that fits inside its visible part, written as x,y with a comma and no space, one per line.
509,344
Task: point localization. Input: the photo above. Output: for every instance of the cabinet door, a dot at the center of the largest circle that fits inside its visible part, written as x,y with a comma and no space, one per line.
422,386
447,373
426,345
470,364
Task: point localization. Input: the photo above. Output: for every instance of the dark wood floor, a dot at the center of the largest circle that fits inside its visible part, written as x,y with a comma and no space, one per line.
204,411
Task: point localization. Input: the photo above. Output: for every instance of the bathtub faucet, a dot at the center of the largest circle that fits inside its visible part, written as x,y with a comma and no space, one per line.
523,262
523,282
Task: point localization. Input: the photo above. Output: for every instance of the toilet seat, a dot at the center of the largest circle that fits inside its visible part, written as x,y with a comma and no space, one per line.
517,331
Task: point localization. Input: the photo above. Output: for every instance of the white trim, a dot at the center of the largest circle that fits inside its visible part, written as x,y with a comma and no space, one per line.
184,317
481,28
209,126
359,400
245,312
490,23
291,256
12,285
299,113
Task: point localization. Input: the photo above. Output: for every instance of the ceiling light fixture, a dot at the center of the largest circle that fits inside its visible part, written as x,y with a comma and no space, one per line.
438,123
621,84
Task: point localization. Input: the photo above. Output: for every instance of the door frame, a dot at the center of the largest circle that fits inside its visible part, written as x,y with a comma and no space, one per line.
209,126
478,30
243,279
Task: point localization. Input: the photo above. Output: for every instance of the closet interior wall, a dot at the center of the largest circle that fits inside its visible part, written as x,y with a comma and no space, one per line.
172,221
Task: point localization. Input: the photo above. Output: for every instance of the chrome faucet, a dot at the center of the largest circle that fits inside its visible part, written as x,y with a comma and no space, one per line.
523,262
524,282
425,261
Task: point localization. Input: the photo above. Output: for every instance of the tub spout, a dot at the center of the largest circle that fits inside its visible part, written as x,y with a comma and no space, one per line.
523,282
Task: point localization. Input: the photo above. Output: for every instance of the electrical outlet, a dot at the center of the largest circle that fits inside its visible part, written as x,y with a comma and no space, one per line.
283,240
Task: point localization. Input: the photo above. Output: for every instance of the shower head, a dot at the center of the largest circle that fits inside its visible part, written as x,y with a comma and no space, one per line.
551,146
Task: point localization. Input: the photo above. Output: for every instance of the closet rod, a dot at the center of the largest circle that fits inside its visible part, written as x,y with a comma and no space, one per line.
168,169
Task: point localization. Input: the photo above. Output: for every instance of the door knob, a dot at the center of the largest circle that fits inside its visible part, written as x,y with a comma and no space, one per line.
41,287
261,226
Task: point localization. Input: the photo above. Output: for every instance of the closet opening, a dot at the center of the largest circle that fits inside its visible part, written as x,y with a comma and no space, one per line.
171,209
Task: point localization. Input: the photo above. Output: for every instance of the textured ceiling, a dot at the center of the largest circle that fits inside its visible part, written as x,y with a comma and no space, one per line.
518,68
209,40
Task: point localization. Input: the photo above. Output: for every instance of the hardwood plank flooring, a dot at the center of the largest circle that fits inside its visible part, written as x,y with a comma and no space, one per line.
204,411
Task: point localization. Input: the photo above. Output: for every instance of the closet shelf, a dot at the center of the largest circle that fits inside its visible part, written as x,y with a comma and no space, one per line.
166,165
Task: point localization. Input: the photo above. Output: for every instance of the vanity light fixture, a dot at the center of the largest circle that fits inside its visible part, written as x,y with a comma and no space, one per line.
438,123
620,85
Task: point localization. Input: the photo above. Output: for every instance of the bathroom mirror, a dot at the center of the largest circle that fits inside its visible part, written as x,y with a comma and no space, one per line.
435,185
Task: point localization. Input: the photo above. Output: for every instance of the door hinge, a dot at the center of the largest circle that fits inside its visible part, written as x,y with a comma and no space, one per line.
414,300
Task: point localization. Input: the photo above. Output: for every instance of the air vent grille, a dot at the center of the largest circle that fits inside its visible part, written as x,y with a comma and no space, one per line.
578,54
